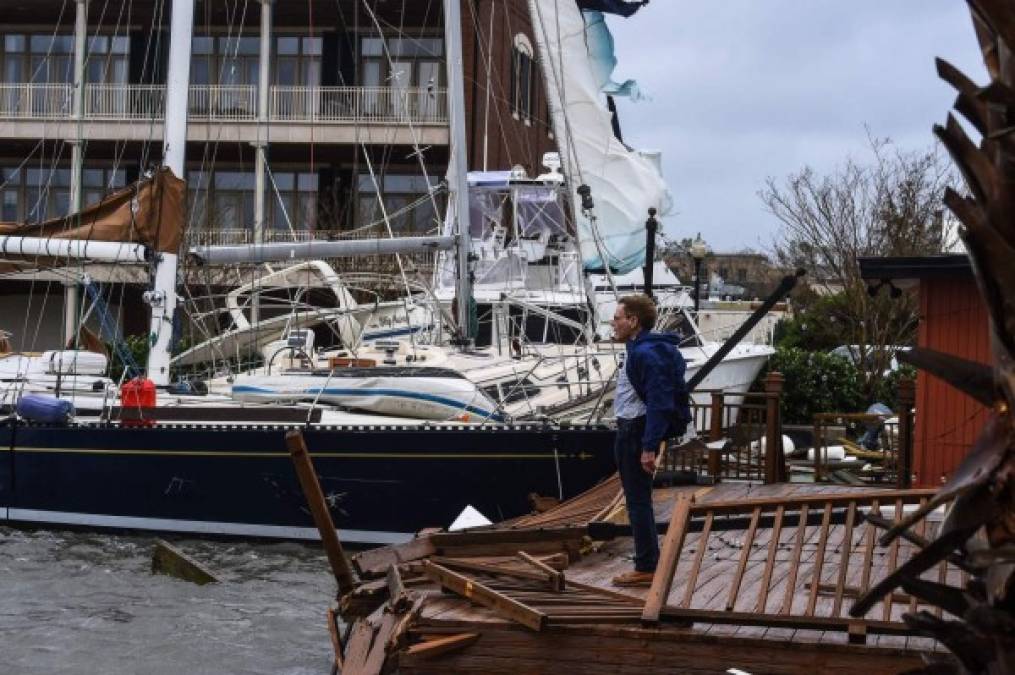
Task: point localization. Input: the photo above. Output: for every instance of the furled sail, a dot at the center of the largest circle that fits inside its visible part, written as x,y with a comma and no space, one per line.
624,182
150,212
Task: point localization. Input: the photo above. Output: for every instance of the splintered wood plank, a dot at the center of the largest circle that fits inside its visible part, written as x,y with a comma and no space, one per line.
358,647
692,578
486,596
474,567
794,565
868,550
374,562
819,559
731,600
554,577
378,652
669,558
893,562
844,557
438,646
396,588
773,547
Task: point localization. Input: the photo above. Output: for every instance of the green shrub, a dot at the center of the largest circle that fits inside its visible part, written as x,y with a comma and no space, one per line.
816,382
138,346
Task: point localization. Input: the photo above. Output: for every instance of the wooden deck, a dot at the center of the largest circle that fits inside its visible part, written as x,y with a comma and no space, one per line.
763,577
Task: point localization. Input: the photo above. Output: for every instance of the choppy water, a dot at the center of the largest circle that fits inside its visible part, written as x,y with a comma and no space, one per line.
87,603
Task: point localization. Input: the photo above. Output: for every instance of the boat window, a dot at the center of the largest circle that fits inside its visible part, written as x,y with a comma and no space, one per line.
486,211
538,211
680,324
512,390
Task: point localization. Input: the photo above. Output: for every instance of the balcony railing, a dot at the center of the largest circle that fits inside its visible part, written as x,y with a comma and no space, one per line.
144,102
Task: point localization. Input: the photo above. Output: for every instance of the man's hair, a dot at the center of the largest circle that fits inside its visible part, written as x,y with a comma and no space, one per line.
642,308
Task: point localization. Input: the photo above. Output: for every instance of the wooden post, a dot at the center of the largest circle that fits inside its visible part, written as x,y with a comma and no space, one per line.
714,434
715,464
715,416
775,463
318,507
904,457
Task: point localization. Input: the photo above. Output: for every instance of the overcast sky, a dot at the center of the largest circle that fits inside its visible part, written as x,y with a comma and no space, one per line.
746,89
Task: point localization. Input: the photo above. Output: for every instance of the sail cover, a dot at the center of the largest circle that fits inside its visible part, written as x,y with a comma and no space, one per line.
624,182
150,211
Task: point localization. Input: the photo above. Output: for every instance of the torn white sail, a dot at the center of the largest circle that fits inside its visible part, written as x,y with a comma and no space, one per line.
624,182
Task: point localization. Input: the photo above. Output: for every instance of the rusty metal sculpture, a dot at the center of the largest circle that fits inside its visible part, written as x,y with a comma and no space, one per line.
982,490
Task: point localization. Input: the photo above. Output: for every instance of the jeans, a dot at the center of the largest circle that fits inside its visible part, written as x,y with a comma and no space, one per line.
637,485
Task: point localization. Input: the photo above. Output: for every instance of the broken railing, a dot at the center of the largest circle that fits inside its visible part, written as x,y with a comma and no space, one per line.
835,458
734,432
792,562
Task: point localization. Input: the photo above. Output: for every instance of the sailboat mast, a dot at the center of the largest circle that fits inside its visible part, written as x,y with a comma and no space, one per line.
459,168
162,297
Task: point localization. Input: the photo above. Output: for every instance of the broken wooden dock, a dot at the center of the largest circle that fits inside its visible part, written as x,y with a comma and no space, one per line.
755,577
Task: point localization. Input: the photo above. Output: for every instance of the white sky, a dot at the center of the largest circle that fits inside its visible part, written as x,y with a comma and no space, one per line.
746,89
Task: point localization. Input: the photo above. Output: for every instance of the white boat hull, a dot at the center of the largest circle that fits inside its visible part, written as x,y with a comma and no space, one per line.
438,398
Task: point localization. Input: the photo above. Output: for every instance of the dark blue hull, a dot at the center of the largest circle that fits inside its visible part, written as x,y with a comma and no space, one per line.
384,483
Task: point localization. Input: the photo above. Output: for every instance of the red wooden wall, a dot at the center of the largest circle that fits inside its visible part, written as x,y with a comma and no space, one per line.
953,319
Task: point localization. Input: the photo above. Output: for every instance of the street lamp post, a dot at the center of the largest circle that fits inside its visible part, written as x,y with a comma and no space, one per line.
698,250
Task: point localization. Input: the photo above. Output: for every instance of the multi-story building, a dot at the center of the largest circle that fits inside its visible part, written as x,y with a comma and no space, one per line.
305,117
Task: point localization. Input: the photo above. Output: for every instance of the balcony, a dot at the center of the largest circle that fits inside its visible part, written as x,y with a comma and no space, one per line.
229,113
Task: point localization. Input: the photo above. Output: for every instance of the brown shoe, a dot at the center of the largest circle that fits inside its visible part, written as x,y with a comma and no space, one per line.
634,579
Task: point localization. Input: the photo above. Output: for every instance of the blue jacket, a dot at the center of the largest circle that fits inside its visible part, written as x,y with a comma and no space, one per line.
656,368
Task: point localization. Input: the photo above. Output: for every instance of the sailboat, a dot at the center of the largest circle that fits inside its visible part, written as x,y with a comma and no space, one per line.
403,434
196,464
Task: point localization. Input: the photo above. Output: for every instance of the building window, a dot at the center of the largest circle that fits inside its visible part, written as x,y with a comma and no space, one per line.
296,198
406,202
33,195
107,60
410,72
97,183
223,202
49,59
298,61
225,60
522,70
10,195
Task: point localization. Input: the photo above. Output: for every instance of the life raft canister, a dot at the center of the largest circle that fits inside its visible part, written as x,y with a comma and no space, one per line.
137,394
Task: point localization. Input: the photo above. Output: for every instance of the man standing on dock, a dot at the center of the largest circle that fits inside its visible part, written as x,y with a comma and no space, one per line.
650,406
